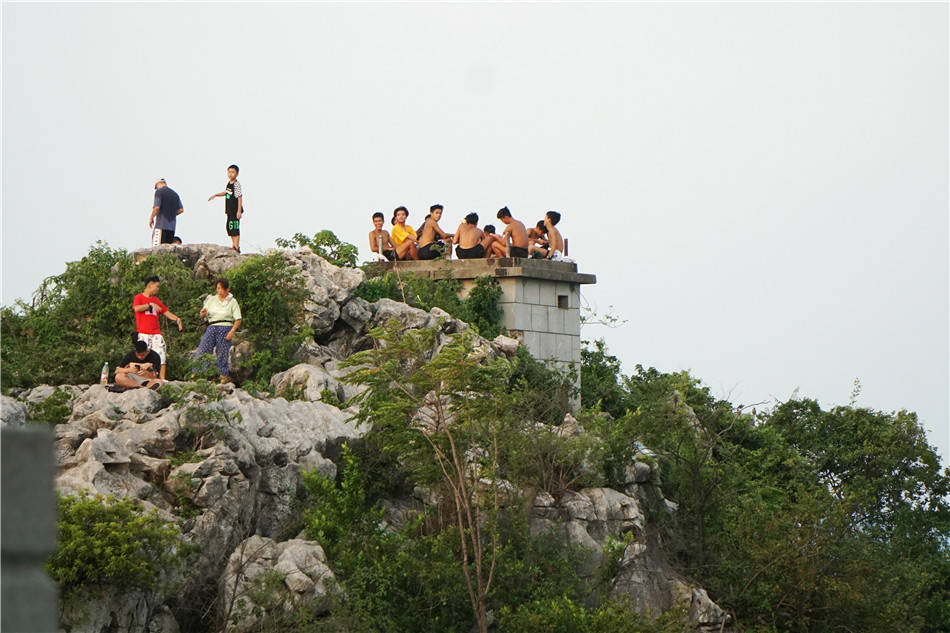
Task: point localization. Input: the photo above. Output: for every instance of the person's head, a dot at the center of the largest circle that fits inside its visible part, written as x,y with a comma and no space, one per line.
160,183
233,171
436,212
504,215
378,220
400,215
540,226
221,286
151,286
176,240
490,229
472,218
141,349
553,217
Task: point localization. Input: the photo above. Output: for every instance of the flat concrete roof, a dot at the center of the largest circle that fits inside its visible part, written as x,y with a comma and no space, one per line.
500,268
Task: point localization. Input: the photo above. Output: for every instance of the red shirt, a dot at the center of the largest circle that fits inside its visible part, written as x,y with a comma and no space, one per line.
146,322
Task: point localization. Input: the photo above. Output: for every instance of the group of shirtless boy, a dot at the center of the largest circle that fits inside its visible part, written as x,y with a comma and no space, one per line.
542,240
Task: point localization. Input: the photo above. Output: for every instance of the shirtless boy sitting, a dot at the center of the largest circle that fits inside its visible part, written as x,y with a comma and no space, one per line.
537,239
555,247
496,247
515,229
404,237
377,234
430,232
472,242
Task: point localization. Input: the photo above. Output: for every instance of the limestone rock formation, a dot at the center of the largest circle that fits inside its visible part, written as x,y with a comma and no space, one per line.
226,466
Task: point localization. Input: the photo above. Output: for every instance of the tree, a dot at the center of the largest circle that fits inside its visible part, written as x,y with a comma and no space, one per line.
445,414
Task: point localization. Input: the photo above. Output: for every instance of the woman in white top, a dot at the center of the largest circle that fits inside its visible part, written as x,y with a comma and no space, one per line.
224,318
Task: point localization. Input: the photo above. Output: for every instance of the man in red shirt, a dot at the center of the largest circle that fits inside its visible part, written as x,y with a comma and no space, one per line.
147,307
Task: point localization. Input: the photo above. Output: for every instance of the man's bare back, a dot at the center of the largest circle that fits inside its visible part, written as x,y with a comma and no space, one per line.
519,235
468,235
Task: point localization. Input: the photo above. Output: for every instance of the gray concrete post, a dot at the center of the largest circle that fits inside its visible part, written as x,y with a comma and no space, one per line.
28,530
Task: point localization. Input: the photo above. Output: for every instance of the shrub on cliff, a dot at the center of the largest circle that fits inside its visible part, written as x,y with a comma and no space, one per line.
271,294
102,542
479,309
326,245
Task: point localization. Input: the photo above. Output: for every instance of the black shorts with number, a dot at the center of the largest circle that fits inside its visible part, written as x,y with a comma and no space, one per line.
233,225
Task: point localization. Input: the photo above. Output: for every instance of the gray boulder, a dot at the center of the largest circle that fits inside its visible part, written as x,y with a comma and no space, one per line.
12,412
263,577
115,609
311,381
133,404
591,519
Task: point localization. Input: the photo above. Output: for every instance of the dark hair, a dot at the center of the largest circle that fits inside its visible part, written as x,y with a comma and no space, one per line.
490,228
398,209
434,207
151,279
235,168
472,218
176,240
223,281
554,215
540,226
503,213
378,215
141,346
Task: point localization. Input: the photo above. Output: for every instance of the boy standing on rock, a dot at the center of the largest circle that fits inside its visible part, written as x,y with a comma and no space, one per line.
233,206
147,307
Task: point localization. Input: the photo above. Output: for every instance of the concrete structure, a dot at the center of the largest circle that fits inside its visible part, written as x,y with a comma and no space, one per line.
29,530
540,299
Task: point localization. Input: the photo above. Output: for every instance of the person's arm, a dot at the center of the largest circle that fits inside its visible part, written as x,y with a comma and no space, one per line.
180,211
216,195
151,218
171,317
373,243
142,307
441,233
388,242
230,334
458,232
239,194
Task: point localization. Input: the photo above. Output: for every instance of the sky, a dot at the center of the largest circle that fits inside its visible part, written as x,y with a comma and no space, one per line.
761,189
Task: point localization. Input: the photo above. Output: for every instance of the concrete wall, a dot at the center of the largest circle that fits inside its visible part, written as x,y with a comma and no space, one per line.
544,315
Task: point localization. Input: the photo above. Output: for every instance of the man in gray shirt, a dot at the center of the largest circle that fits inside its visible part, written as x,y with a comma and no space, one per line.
165,210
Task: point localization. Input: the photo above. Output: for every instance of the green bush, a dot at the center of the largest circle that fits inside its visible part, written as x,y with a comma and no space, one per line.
83,318
53,410
479,309
560,614
106,542
271,294
326,245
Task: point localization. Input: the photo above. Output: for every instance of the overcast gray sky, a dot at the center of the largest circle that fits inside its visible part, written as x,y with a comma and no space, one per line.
761,190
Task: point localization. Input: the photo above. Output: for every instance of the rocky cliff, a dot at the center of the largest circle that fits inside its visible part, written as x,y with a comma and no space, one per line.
226,466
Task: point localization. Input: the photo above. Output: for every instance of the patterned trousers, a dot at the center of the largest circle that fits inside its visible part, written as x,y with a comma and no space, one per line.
214,339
